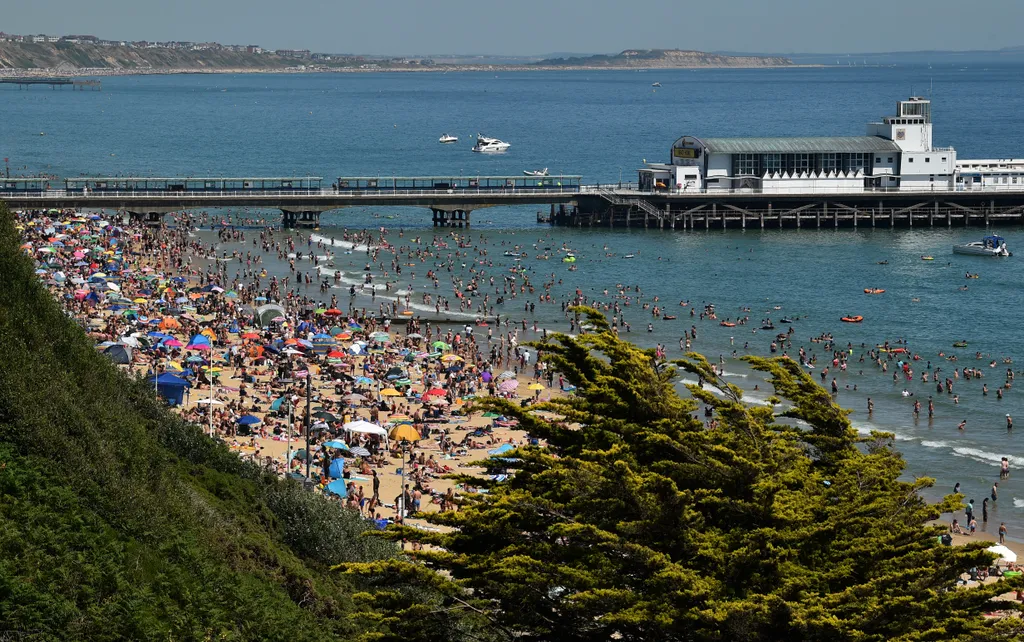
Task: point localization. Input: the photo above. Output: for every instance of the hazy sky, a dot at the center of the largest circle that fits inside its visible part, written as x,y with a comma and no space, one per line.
537,26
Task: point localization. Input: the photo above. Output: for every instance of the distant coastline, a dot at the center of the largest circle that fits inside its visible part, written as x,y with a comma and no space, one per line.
67,58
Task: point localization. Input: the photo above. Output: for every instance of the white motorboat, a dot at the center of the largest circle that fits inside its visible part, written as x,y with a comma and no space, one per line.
489,145
655,84
536,172
988,246
448,138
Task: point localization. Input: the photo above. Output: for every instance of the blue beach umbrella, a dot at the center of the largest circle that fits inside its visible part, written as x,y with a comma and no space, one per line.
248,420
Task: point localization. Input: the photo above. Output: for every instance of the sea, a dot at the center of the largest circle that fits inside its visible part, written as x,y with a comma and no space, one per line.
603,125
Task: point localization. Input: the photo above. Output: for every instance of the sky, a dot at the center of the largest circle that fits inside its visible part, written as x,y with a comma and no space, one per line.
532,27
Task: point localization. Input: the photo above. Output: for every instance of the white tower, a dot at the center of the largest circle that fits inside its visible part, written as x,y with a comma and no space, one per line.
911,127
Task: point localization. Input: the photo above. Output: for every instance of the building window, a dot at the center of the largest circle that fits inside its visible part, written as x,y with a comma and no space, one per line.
889,160
878,159
927,159
773,163
931,178
829,162
746,165
943,159
1014,180
910,160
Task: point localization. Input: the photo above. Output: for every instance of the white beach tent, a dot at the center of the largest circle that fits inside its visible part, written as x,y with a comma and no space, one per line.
365,427
1004,553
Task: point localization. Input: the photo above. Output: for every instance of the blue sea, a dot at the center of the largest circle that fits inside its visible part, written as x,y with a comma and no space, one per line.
603,125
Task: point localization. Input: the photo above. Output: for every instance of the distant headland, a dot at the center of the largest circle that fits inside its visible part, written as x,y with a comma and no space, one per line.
81,55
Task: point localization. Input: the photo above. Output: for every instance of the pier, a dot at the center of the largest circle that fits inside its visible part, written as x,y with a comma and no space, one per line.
743,210
451,201
52,82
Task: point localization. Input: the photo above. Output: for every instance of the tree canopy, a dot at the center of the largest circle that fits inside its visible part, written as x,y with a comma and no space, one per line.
638,520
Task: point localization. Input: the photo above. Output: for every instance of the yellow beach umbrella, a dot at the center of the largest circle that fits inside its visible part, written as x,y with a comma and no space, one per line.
404,432
390,392
451,357
139,300
536,386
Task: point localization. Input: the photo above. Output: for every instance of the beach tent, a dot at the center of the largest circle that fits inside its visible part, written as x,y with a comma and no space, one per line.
119,353
267,313
502,449
365,427
337,469
337,487
171,387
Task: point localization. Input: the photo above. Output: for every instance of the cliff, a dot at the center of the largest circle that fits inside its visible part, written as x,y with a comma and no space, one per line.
69,56
665,59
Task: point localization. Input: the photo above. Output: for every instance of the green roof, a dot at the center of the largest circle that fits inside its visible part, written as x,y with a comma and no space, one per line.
800,145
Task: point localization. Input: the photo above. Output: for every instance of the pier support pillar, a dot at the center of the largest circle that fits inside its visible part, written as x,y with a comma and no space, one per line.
991,210
855,214
949,217
872,217
769,215
714,213
892,218
304,218
910,218
743,220
935,212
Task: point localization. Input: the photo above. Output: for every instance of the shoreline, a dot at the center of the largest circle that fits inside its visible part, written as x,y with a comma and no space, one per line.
112,72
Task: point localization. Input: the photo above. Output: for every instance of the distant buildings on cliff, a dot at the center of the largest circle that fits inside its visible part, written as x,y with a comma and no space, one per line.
182,45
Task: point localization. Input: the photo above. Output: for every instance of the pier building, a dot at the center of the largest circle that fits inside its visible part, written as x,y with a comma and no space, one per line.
895,154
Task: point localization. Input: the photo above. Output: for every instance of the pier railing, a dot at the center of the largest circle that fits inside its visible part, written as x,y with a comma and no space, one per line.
291,193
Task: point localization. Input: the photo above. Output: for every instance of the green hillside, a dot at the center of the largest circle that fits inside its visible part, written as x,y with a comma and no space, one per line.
42,55
119,521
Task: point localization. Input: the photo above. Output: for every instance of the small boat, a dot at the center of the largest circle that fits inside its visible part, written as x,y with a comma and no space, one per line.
629,256
535,172
516,254
988,246
448,138
960,344
785,320
489,145
655,84
927,258
855,319
569,258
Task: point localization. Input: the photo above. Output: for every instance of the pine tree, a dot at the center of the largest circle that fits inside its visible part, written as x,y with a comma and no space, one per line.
639,521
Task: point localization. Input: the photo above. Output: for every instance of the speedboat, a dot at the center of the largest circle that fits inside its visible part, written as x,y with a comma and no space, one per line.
536,172
655,84
448,138
485,144
988,246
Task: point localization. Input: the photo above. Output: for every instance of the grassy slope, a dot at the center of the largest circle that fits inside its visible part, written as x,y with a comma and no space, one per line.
117,520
